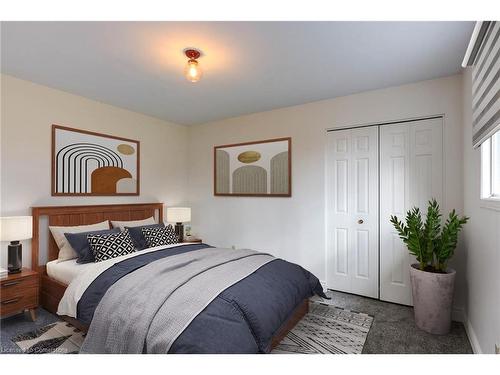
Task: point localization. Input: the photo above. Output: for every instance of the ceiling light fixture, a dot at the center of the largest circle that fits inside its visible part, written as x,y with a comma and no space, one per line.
192,72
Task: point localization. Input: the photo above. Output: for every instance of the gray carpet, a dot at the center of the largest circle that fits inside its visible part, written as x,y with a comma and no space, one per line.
393,329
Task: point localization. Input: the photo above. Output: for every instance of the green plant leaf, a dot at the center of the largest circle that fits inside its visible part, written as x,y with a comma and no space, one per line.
430,244
432,228
411,234
448,240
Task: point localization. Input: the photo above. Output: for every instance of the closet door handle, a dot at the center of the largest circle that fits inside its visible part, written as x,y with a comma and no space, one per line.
360,221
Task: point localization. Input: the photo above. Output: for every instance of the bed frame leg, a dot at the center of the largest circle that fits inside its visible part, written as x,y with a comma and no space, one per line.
31,314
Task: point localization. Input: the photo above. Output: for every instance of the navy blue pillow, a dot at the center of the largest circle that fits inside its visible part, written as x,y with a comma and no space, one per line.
137,236
80,244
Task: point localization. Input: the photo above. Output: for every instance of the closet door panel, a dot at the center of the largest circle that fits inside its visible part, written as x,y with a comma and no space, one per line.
394,199
411,170
426,148
364,220
352,211
338,210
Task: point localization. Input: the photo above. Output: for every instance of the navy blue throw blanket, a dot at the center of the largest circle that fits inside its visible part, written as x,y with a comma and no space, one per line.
242,319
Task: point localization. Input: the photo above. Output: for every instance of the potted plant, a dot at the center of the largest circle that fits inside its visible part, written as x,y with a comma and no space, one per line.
433,244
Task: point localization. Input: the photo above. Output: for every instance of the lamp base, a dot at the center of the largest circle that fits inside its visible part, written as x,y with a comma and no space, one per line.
15,257
179,231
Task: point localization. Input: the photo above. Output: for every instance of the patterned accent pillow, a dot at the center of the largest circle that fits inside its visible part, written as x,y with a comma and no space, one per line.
160,236
137,236
108,246
80,243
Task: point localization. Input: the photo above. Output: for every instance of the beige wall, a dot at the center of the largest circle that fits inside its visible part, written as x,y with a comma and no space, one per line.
29,110
482,243
294,228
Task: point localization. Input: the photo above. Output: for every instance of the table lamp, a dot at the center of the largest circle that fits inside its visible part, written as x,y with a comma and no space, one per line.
15,229
179,215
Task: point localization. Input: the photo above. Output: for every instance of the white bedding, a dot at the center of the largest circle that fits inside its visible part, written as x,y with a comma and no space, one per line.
86,275
65,271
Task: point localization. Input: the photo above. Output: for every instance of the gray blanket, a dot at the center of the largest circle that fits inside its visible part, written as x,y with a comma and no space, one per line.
149,308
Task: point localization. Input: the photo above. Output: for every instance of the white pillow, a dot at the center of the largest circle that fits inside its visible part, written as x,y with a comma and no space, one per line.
66,252
133,223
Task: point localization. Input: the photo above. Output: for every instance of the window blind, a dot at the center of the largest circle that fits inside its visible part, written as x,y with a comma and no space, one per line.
484,57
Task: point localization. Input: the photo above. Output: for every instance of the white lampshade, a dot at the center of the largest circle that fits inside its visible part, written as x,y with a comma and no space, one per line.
178,214
16,228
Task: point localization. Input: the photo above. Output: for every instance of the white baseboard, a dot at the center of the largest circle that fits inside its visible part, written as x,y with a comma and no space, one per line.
474,342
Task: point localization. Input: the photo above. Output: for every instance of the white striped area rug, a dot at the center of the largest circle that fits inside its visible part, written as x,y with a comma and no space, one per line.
327,329
55,338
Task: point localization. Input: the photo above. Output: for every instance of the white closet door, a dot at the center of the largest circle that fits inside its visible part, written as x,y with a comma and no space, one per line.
411,167
352,211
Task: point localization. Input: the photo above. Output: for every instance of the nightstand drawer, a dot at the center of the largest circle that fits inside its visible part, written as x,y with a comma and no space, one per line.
17,287
28,298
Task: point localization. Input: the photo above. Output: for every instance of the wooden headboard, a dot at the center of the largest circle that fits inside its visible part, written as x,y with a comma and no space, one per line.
84,215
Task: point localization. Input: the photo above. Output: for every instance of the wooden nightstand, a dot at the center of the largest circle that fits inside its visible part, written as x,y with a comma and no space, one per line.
192,240
19,292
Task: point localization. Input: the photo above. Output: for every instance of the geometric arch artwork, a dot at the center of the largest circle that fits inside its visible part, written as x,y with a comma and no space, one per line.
261,168
104,180
89,163
222,178
279,173
250,179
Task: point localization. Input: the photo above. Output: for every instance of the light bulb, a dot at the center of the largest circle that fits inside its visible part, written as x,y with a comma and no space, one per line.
192,72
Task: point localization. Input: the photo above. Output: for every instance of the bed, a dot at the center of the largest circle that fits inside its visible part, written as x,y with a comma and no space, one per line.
182,298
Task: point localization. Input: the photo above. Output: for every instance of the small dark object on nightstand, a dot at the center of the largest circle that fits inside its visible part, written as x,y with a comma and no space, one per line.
15,257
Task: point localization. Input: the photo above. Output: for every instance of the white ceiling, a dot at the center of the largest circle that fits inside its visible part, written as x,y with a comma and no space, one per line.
248,66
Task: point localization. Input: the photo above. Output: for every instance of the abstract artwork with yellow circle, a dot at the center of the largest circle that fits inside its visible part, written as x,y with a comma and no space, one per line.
261,168
90,163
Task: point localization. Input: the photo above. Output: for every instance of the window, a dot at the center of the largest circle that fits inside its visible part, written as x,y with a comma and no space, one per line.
490,168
